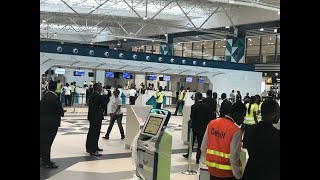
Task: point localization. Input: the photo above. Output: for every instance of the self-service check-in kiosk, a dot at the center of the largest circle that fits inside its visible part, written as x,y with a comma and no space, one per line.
154,147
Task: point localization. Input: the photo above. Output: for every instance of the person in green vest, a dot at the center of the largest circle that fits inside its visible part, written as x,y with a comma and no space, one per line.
159,98
181,99
72,89
58,89
91,83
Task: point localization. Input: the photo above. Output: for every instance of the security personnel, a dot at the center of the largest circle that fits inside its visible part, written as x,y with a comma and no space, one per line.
181,99
251,114
58,89
159,98
85,84
222,144
91,83
259,103
72,89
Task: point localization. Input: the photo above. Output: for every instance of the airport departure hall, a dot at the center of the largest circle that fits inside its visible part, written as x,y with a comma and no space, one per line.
159,89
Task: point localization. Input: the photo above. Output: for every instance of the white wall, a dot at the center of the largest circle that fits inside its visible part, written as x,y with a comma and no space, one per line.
242,81
138,79
100,76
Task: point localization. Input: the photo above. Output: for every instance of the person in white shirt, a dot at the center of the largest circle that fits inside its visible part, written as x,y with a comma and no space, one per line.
116,114
132,95
232,97
67,95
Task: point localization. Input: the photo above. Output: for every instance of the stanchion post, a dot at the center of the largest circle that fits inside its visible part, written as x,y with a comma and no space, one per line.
189,171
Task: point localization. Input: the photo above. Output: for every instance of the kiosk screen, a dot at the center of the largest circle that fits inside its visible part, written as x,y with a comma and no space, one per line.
153,126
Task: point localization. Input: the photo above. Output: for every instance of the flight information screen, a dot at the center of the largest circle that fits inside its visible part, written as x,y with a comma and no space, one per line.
153,125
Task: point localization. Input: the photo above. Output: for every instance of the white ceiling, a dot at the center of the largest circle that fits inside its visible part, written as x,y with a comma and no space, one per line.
91,21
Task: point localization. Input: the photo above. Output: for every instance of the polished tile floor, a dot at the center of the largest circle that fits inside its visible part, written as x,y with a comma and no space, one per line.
68,151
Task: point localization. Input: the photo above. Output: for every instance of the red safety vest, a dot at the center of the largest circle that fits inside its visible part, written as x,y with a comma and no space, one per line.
220,132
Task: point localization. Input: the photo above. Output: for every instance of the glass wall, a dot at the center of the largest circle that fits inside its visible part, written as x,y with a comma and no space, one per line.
264,49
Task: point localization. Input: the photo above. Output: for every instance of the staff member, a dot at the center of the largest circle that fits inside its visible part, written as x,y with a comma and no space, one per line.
251,115
212,103
50,117
181,99
95,117
91,83
221,145
159,98
132,95
58,89
263,144
225,105
72,90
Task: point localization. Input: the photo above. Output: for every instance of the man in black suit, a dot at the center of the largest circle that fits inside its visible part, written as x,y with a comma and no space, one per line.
51,112
107,98
95,117
225,105
212,103
263,144
200,117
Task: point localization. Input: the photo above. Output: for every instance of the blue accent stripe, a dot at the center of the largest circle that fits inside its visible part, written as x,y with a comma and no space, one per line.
83,50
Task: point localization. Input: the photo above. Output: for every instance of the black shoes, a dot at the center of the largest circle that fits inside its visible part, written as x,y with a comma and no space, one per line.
197,161
50,165
105,137
95,154
186,156
123,137
99,149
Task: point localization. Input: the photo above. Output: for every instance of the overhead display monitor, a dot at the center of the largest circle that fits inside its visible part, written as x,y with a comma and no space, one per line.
152,77
60,71
188,79
127,75
201,80
153,125
91,74
110,74
79,73
166,78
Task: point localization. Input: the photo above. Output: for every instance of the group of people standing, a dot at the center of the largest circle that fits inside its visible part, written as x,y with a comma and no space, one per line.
220,139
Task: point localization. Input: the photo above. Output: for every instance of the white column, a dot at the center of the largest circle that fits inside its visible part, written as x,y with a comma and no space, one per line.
100,76
139,78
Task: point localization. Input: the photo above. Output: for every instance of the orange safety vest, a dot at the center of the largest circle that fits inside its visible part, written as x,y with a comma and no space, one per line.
220,132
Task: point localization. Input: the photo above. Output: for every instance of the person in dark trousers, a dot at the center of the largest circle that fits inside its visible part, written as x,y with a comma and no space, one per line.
132,95
95,117
107,98
89,92
212,103
238,97
200,118
159,98
51,112
225,105
181,98
263,144
116,114
246,99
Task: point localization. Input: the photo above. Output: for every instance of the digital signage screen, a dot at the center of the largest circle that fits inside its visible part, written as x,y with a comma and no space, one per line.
166,78
127,75
60,71
201,80
110,74
188,79
79,73
152,77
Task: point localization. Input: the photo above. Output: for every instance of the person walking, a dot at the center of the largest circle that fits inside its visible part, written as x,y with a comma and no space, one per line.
232,97
246,99
95,117
132,95
107,96
221,145
263,144
181,99
67,95
239,97
225,105
51,112
259,103
159,98
72,90
116,114
58,89
251,115
200,117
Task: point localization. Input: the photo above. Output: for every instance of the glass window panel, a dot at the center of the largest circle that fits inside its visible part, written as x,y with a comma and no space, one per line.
177,47
253,50
268,50
270,59
208,54
278,58
177,53
197,52
268,40
187,53
135,49
187,46
148,49
208,45
219,51
198,57
254,41
220,43
197,45
278,49
252,59
278,39
156,49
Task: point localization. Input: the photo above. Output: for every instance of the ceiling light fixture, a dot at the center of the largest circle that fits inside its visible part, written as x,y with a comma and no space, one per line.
124,39
44,21
224,39
91,43
227,26
249,39
144,18
275,30
278,12
93,8
250,44
131,33
231,1
55,34
261,29
270,39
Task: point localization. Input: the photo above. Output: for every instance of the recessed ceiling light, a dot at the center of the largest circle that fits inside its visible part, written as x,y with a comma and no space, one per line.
249,39
231,1
144,18
203,43
278,12
275,30
223,46
55,34
250,44
227,26
44,21
142,46
91,43
216,43
261,29
179,43
93,8
131,33
270,39
124,39
197,36
224,39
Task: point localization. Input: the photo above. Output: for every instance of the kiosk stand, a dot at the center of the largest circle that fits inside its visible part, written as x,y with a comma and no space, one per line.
153,148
